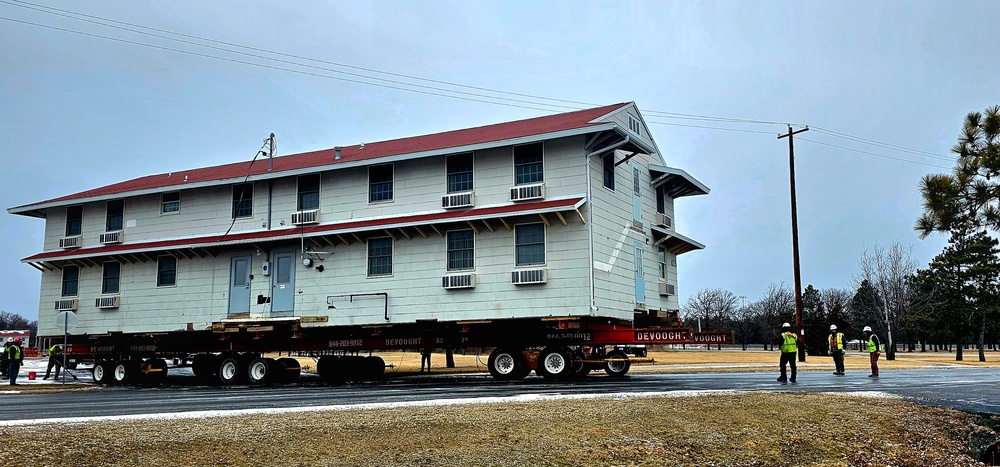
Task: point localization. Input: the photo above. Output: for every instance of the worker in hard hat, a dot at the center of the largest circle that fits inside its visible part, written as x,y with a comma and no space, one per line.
789,348
874,349
15,354
4,363
836,341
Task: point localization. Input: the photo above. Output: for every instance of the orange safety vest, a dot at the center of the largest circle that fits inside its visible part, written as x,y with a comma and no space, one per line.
836,342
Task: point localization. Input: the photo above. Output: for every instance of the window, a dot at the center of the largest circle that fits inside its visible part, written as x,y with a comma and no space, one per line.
166,271
461,250
170,202
308,192
116,215
379,257
633,125
380,183
661,203
529,241
460,173
528,164
635,180
661,257
74,220
111,277
70,281
609,171
242,200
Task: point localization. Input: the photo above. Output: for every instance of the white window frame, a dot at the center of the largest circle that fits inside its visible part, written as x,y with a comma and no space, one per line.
62,281
163,203
448,250
368,257
392,184
545,244
158,259
513,159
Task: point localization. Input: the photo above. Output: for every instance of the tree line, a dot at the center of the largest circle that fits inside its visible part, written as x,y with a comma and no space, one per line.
953,302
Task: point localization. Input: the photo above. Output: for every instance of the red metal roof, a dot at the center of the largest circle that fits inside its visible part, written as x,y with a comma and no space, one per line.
313,230
371,151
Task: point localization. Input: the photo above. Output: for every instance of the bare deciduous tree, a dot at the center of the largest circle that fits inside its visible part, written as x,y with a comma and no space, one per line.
888,270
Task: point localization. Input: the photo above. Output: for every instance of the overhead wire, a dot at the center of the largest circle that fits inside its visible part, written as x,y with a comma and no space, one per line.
421,89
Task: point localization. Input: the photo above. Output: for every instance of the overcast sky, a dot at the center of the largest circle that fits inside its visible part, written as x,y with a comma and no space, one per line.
81,111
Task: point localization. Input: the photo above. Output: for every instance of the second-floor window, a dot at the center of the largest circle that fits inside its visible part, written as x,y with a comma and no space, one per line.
661,202
242,200
116,216
70,281
461,250
74,220
609,171
460,173
166,271
111,277
529,244
380,183
380,257
308,192
170,202
528,164
661,257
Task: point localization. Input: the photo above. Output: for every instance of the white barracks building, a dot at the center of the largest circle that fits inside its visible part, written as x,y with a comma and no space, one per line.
569,215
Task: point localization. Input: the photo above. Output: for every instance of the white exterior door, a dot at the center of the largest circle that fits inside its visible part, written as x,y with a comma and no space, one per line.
283,283
239,285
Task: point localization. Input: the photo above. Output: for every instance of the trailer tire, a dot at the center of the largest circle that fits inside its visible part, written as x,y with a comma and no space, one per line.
580,370
259,370
204,365
329,368
619,368
229,369
102,372
505,364
555,363
375,367
127,372
288,370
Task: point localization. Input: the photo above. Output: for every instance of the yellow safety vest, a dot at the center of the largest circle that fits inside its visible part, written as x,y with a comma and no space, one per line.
54,350
872,348
15,352
789,343
836,342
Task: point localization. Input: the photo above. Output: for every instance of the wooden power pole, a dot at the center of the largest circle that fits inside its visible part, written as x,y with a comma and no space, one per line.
795,242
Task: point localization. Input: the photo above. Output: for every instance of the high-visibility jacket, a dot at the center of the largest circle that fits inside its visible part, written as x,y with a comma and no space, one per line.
872,344
836,342
788,343
14,353
54,350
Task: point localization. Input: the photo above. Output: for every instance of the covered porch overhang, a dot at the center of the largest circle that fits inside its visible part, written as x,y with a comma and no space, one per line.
676,182
673,241
606,141
311,237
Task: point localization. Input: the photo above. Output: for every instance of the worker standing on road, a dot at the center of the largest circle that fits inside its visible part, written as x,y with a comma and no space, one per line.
874,351
4,363
14,355
425,357
836,340
55,360
789,348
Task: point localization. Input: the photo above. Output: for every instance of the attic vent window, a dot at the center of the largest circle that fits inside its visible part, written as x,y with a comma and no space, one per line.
633,124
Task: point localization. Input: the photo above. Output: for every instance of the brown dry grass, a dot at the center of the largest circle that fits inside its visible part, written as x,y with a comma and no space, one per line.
740,429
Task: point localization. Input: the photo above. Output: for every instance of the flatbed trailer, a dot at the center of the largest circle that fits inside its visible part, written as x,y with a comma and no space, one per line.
233,351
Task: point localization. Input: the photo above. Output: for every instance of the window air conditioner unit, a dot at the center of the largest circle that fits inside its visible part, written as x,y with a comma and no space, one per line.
528,276
527,192
458,200
459,281
664,220
70,242
305,217
108,302
111,237
67,305
667,289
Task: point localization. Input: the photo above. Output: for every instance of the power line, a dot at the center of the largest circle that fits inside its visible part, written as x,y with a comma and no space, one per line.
873,154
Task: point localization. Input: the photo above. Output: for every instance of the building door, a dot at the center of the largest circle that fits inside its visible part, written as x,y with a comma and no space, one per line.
239,285
283,283
640,282
636,196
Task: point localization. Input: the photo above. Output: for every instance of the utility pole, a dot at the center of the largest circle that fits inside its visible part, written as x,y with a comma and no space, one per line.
795,241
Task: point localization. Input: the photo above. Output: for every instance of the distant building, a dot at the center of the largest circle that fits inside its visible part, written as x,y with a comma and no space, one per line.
564,215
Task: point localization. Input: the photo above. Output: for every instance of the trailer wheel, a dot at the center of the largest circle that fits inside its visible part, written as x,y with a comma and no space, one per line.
619,367
580,369
330,368
229,369
505,364
288,370
102,372
204,365
375,367
259,370
555,363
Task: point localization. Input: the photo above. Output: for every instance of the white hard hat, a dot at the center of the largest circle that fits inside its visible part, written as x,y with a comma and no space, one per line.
10,339
867,329
833,327
786,325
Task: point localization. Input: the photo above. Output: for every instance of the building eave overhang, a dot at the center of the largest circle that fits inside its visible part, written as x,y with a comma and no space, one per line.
674,242
680,183
348,227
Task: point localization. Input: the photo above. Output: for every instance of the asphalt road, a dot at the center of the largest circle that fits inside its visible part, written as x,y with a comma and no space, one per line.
971,390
